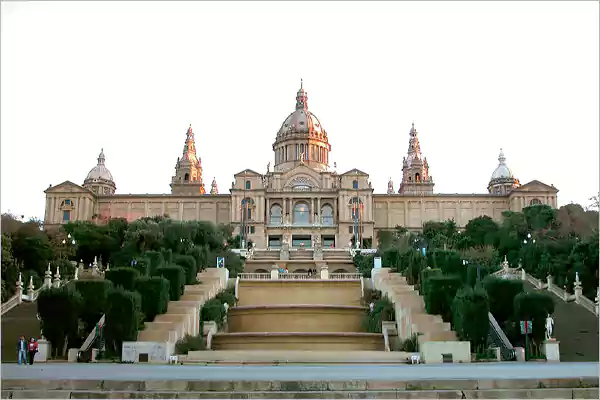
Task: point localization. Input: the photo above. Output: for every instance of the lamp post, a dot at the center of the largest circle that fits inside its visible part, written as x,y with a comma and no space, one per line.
527,241
68,241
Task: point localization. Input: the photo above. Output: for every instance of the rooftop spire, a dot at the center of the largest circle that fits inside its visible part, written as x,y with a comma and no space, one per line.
101,158
301,98
501,158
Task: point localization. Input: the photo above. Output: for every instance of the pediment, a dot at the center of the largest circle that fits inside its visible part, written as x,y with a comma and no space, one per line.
355,172
536,186
247,173
68,187
301,178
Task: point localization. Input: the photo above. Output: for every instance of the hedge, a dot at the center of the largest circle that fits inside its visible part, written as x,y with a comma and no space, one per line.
449,261
59,310
200,254
502,293
471,275
142,265
425,275
93,294
176,277
213,310
156,261
440,294
154,292
124,276
470,317
189,264
123,318
227,296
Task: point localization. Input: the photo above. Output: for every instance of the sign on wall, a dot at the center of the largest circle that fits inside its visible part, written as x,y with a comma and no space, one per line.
220,262
377,262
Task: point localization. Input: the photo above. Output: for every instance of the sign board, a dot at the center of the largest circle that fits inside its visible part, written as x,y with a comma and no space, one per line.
526,327
424,251
377,262
220,262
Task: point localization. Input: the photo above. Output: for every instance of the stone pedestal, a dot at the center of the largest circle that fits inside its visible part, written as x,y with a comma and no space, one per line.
275,272
520,354
551,350
44,351
72,355
324,272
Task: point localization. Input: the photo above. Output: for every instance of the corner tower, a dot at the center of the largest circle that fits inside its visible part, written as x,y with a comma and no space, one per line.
99,180
502,181
301,139
188,170
415,169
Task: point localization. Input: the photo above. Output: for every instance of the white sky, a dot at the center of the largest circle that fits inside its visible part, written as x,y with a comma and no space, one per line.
131,77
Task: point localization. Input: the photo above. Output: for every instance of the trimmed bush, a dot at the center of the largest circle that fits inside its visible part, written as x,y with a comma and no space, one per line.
440,294
124,277
176,277
501,294
471,275
426,274
123,318
200,254
142,265
189,264
167,255
94,294
154,292
449,261
156,261
227,296
383,310
59,310
470,318
213,310
189,343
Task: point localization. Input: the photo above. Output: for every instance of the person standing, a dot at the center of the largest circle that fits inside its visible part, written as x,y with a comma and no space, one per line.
22,350
32,348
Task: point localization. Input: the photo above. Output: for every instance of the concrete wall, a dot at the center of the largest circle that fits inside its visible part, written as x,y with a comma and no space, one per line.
296,319
262,293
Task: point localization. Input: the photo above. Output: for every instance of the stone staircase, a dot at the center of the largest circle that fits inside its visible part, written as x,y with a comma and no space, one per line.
412,318
183,316
21,320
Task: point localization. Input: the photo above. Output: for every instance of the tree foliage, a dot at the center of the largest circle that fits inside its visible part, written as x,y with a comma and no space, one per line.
123,318
124,277
154,292
59,310
470,315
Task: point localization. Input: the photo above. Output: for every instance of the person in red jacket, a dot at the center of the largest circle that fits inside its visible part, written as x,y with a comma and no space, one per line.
32,348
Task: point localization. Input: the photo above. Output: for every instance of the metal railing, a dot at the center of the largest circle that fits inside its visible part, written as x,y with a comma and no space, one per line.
93,335
497,336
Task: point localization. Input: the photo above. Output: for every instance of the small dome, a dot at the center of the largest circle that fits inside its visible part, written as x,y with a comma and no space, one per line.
99,172
502,171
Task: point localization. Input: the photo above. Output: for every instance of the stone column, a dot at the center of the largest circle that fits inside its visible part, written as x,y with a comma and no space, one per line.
48,278
549,281
57,278
324,272
20,289
274,272
95,266
319,209
578,289
30,289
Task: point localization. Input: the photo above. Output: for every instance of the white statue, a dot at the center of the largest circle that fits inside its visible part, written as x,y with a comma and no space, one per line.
371,307
549,327
302,158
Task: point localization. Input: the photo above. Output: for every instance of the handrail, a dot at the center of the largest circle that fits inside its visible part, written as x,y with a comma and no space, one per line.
499,338
92,336
10,304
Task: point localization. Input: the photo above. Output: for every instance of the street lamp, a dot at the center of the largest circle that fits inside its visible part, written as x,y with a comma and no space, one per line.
68,241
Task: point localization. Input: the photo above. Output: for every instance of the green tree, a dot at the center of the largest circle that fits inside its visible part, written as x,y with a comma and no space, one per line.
10,269
501,294
440,295
470,316
154,292
123,318
535,307
482,231
59,310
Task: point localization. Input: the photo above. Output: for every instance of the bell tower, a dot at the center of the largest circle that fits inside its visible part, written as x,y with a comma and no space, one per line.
415,169
188,170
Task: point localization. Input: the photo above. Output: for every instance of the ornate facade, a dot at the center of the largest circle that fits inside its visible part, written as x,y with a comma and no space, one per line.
302,198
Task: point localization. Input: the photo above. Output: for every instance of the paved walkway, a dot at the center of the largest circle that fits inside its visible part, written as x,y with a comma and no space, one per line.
300,373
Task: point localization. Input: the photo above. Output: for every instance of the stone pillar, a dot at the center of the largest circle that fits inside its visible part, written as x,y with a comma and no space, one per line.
48,278
578,289
20,289
44,350
549,281
324,272
30,288
523,275
76,277
274,272
57,278
95,266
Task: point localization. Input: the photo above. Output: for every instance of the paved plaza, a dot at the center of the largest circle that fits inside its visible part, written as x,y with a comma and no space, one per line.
315,372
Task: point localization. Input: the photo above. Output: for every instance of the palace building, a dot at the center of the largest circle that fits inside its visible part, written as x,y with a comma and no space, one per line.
301,198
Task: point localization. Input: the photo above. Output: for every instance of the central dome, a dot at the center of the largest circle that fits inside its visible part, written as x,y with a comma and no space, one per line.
301,139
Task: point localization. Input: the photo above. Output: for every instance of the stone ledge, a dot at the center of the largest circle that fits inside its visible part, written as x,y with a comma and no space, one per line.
559,393
99,386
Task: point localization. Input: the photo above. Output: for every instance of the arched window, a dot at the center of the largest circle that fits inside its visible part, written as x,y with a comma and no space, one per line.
354,184
248,185
186,177
327,215
535,202
301,213
417,177
276,215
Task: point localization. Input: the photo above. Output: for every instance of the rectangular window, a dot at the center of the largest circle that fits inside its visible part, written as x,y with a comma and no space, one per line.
66,215
350,229
252,229
67,202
